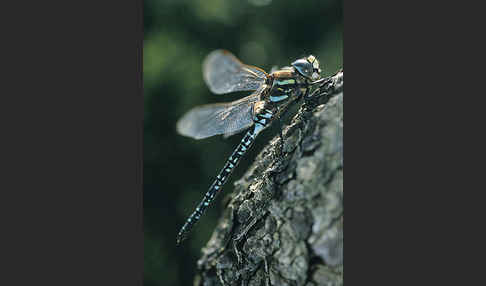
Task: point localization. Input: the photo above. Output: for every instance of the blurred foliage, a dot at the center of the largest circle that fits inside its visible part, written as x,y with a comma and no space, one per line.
178,34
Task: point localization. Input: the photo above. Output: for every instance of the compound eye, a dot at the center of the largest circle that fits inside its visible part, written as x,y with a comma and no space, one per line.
308,69
303,67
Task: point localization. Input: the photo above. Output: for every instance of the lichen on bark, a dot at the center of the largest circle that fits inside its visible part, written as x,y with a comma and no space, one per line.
284,222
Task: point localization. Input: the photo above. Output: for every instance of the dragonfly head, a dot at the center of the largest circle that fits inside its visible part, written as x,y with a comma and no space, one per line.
308,67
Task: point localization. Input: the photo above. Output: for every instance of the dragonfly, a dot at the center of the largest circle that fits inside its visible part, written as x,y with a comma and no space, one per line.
271,96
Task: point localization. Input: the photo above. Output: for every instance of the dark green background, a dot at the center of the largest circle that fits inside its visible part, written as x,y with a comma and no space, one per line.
178,170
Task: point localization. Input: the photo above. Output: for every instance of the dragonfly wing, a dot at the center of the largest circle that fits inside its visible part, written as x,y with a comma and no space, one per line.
220,118
224,73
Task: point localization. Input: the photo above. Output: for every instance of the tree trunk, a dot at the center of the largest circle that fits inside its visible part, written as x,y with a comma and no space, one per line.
284,222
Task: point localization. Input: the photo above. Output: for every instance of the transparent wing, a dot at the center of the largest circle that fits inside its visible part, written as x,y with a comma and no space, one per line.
220,118
224,73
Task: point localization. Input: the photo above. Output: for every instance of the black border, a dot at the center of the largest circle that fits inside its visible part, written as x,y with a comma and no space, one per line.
408,216
72,102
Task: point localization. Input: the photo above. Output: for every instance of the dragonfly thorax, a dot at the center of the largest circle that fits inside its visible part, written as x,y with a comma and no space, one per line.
287,84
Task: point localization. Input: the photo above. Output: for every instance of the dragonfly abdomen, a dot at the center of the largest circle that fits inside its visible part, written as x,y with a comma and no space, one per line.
261,121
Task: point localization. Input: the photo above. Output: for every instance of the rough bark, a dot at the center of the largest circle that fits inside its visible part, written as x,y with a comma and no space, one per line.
284,222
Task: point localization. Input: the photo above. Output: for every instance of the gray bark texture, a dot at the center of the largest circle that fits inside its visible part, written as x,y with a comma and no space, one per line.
284,222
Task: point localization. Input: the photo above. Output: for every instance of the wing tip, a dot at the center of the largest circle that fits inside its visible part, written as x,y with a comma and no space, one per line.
183,128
